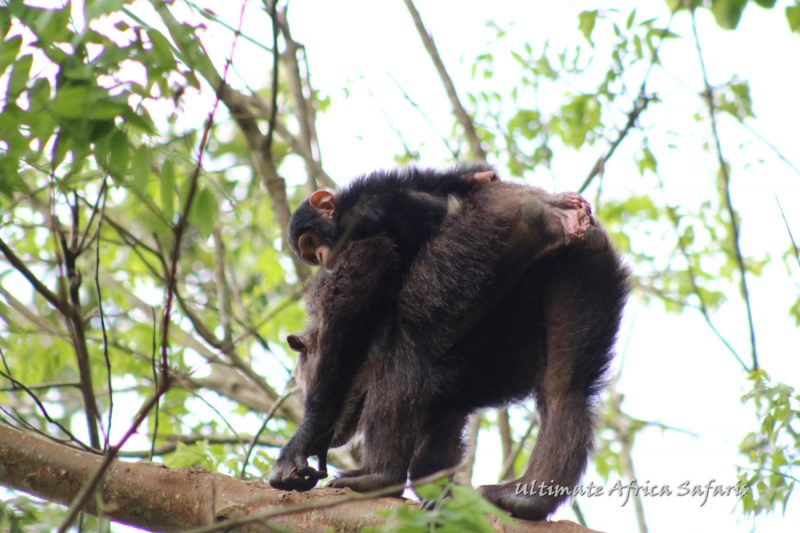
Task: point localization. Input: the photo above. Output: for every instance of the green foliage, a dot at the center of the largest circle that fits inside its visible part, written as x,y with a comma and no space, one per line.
82,153
773,450
728,12
196,455
450,508
586,22
735,100
793,16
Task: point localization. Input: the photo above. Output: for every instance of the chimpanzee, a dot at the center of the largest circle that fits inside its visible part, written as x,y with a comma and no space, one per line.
405,351
407,204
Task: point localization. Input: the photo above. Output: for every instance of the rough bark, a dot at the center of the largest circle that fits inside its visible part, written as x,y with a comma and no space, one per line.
152,496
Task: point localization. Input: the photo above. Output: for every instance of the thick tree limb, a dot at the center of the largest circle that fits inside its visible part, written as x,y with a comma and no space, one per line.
152,496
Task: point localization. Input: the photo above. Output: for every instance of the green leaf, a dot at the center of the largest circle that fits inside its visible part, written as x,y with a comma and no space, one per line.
140,167
766,3
647,161
98,8
71,101
728,12
9,176
793,16
203,213
140,120
118,153
60,149
195,455
162,50
586,23
20,75
677,5
631,20
49,25
9,51
168,189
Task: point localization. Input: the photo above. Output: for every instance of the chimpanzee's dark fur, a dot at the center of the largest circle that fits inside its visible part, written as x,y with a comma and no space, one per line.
495,307
407,204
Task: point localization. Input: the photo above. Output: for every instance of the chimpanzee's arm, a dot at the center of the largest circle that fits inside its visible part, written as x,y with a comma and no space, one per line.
354,297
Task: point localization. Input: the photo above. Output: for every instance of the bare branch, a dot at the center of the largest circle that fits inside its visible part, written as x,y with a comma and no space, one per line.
506,440
303,106
691,272
463,118
29,391
62,306
638,107
726,189
260,431
789,232
621,425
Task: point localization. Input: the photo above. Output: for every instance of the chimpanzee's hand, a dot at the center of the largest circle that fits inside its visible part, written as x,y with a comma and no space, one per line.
291,472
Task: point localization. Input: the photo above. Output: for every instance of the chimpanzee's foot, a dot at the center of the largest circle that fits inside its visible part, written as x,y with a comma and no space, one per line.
550,223
367,483
486,176
520,500
575,214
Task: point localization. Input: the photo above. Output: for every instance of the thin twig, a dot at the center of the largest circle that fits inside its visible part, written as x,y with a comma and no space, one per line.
263,427
106,357
273,15
789,231
21,386
690,271
425,116
77,326
62,306
223,290
639,105
44,386
508,467
726,186
461,114
154,367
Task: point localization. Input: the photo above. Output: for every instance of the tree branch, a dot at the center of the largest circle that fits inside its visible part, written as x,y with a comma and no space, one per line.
726,189
152,496
638,107
63,307
463,118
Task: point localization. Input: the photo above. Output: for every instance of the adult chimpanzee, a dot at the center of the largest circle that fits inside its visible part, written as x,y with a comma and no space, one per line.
405,351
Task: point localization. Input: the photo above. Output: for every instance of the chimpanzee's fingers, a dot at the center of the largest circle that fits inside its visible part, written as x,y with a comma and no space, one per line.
312,473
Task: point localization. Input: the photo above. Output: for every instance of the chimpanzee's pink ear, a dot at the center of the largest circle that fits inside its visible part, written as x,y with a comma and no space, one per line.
323,201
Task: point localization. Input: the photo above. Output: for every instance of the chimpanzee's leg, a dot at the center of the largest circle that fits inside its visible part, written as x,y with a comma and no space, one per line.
583,294
440,445
392,420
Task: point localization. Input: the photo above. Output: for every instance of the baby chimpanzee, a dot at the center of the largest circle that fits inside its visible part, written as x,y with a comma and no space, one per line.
408,205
